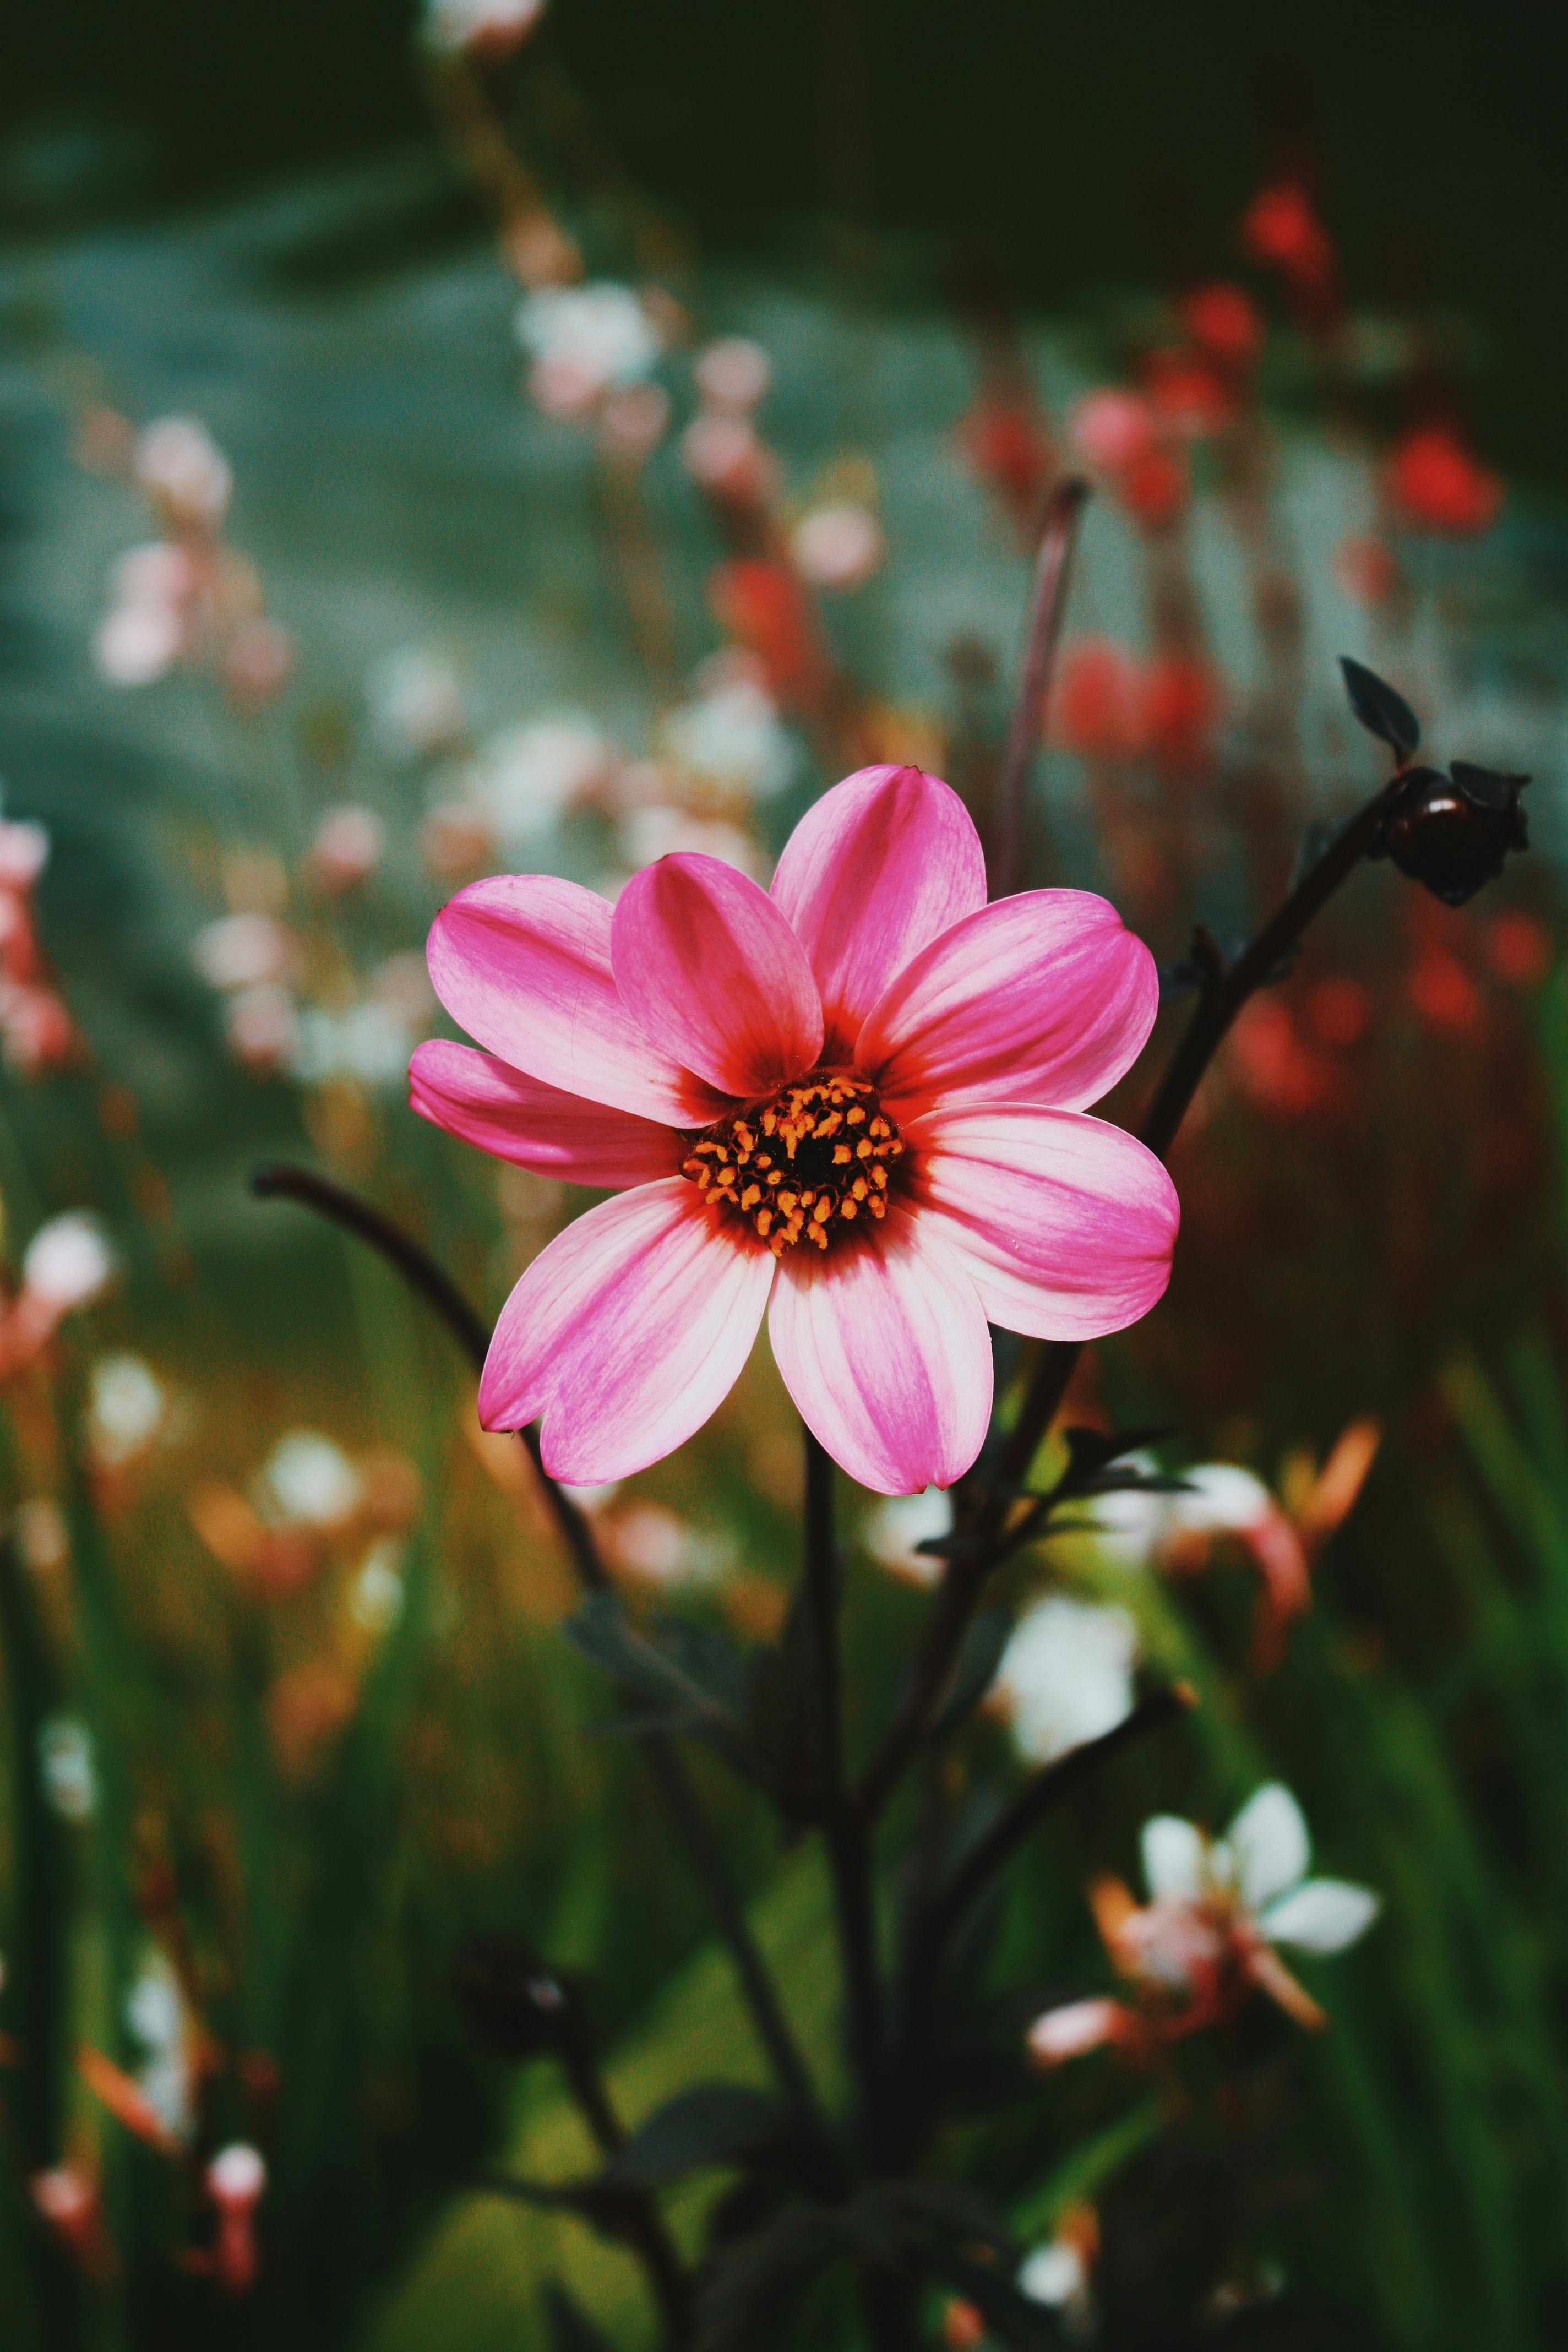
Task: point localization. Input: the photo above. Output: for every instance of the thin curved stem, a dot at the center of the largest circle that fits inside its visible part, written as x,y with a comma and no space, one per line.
432,1283
1053,567
1224,990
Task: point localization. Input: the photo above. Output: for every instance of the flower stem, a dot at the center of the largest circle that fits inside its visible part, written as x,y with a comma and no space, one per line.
1052,567
848,1846
1224,990
431,1282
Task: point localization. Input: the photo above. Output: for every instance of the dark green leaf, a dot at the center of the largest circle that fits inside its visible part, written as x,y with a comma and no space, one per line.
1381,711
571,2330
783,1720
975,1669
749,2289
669,1683
718,2123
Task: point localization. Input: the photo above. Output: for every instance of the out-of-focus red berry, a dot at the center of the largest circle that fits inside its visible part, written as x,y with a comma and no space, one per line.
1442,992
1519,947
1225,322
1438,485
1098,707
1281,227
1154,487
1181,705
1188,392
1271,1064
963,2328
1366,569
763,606
1004,443
1111,428
1340,1011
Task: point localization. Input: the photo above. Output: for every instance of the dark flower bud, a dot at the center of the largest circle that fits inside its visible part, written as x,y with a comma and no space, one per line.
1453,832
514,2004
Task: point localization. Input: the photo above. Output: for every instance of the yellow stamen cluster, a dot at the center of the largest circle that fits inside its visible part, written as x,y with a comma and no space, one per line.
807,1165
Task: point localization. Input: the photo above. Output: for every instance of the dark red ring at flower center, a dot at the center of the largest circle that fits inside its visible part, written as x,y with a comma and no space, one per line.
809,1164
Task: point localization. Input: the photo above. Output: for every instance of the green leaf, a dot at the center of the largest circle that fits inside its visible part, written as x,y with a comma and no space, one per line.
717,2122
1381,711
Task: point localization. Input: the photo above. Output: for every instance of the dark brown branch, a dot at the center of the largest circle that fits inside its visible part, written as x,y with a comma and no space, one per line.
430,1282
1052,567
1223,994
848,1855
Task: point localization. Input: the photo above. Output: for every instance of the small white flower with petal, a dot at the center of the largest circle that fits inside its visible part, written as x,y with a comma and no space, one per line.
416,702
733,736
125,1410
310,1482
68,1263
526,777
178,462
582,340
68,1767
1066,1675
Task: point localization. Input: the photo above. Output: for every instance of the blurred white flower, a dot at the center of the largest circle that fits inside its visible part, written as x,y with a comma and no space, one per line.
125,1409
1135,1527
138,644
156,2014
647,1541
489,26
371,1041
896,1528
376,1595
68,1263
583,340
647,833
68,1767
237,2175
23,854
242,951
733,736
839,546
1058,2274
178,463
1259,1870
1066,1675
525,776
416,702
310,1481
734,372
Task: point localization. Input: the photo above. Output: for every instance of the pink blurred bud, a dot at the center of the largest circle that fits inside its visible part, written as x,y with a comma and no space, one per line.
36,1028
839,546
23,854
1111,428
350,843
261,1025
235,2181
722,454
241,951
257,660
1078,2027
632,422
734,372
68,2200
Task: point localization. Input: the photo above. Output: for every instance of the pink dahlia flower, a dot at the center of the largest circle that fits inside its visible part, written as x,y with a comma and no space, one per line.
855,1104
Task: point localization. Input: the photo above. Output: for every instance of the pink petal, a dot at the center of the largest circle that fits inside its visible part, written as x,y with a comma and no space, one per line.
1044,998
715,975
1065,1224
473,1095
522,962
884,1349
883,863
626,1332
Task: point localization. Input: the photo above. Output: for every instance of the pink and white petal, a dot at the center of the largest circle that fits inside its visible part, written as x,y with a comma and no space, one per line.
1065,1223
715,975
473,1095
884,1349
1325,1915
625,1333
875,870
521,961
1078,2027
1045,998
1174,1859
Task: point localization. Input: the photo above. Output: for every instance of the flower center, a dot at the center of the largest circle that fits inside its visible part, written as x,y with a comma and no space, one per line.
807,1164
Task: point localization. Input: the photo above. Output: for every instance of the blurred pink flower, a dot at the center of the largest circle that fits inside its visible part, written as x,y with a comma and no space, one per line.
1111,428
487,29
235,2181
856,1105
734,372
180,466
349,845
837,546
